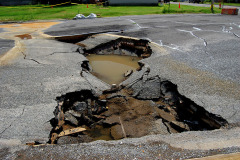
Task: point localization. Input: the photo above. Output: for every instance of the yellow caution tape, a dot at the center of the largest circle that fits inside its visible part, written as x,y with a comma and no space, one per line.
57,4
50,6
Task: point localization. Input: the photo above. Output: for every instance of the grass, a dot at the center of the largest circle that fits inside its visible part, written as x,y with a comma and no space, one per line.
225,4
188,9
38,12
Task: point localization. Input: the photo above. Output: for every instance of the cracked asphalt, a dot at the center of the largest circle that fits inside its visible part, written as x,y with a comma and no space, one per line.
199,53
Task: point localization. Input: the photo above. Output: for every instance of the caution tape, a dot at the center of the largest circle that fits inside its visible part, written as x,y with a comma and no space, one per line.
57,4
50,6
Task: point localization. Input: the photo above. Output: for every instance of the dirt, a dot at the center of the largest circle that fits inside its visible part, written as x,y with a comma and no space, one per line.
25,28
12,54
125,117
118,114
134,117
23,31
24,36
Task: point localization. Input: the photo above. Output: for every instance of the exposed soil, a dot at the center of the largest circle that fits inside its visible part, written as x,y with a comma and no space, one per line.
25,28
24,31
24,36
118,113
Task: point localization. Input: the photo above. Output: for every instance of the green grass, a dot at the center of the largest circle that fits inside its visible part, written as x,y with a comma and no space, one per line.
188,9
37,12
226,4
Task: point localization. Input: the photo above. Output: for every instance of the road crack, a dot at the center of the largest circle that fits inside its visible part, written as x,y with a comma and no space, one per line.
138,25
12,122
194,35
24,55
229,31
171,46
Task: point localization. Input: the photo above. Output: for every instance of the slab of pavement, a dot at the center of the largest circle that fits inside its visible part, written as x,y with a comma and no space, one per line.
199,53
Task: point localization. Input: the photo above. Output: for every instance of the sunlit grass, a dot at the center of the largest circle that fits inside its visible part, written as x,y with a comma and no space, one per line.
226,4
38,12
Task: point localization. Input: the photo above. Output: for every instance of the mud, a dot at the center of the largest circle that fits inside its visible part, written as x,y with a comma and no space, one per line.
111,68
24,36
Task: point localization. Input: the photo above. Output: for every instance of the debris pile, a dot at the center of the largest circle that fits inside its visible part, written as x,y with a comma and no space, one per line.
146,106
73,110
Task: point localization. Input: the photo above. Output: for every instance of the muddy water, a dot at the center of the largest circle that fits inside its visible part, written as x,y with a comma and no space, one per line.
99,133
111,68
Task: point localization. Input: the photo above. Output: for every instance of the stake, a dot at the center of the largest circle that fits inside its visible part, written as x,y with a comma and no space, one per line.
124,133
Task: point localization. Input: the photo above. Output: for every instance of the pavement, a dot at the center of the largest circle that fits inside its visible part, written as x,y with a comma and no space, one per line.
198,53
6,45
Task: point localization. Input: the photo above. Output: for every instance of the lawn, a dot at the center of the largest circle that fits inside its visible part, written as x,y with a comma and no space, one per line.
41,12
226,4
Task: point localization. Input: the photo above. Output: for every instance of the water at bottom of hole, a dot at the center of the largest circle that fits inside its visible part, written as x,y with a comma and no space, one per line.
99,133
111,68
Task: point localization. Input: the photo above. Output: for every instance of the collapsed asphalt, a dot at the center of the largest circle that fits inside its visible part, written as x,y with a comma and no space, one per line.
198,53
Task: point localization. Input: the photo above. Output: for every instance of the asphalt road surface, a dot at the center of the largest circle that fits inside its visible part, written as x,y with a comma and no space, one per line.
198,53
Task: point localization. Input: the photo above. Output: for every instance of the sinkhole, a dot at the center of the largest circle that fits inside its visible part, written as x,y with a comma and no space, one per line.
146,106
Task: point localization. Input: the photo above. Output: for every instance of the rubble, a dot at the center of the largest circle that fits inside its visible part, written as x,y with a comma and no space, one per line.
146,88
74,109
128,73
147,106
